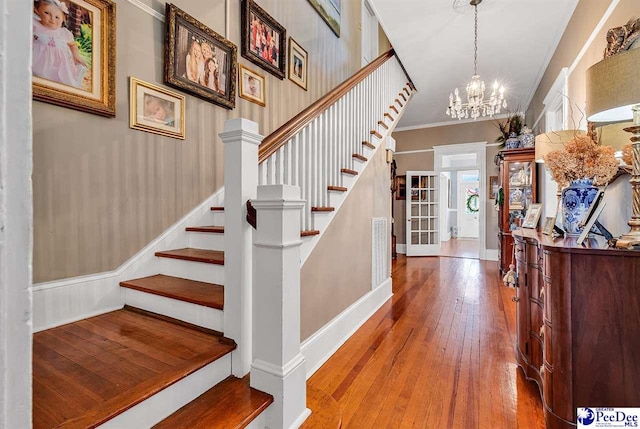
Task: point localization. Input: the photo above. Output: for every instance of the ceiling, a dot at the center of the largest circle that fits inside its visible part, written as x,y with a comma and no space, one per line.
434,40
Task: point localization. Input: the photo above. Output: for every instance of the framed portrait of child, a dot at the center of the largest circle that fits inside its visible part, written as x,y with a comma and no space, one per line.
264,40
252,86
198,60
73,48
155,109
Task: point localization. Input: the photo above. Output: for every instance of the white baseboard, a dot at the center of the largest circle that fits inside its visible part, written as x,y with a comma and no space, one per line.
327,340
401,248
491,255
68,300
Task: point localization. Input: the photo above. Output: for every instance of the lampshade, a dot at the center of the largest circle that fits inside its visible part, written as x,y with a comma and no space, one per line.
613,87
613,135
553,140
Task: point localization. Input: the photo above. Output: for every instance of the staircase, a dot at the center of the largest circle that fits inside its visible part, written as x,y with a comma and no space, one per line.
163,360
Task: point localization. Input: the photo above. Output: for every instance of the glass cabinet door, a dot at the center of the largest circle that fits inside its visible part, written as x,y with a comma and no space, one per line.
519,196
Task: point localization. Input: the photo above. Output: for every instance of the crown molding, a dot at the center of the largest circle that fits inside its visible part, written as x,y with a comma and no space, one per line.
453,122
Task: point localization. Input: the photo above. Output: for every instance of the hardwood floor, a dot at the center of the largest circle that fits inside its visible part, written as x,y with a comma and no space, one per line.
460,248
440,354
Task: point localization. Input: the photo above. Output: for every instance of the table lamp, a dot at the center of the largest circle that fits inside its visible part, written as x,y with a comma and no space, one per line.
613,95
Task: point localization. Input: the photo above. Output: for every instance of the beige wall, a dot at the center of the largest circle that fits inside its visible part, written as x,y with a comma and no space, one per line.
338,272
586,17
426,138
103,191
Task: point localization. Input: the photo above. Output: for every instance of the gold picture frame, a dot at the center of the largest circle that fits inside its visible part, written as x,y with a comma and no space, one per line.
155,109
493,187
87,81
198,60
297,64
330,11
549,223
252,85
533,216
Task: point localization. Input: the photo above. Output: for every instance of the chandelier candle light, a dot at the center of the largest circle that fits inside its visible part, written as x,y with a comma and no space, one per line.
476,104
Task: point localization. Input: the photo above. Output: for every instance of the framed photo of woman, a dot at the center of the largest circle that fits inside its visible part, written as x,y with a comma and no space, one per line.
198,60
297,64
264,40
74,54
156,110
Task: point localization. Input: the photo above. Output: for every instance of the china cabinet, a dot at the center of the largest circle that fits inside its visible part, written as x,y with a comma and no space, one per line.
517,179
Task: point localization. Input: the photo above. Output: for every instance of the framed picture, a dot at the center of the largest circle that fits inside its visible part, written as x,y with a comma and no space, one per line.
549,223
198,60
263,39
74,57
532,216
155,109
401,187
252,86
330,11
297,64
493,187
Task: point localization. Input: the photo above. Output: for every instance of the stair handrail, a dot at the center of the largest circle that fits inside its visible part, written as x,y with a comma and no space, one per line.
279,137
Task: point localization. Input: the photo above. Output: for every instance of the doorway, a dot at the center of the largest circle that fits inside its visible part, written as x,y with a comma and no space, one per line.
462,170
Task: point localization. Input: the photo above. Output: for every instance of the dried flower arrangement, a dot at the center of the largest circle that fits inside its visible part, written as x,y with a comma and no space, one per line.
582,158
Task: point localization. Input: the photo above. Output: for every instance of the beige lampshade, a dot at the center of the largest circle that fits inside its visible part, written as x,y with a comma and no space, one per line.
553,140
614,135
613,87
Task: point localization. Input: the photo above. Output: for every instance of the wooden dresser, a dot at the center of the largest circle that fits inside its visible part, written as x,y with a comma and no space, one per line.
578,324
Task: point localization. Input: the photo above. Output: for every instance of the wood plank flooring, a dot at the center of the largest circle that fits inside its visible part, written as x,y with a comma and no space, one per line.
440,354
91,370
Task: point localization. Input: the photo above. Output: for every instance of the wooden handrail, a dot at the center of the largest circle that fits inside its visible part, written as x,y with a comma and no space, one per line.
279,137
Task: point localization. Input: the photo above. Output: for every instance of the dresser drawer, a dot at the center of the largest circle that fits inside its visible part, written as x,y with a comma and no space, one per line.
545,297
520,251
547,339
536,318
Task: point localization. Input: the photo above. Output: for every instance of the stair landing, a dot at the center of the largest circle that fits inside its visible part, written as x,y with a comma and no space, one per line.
87,372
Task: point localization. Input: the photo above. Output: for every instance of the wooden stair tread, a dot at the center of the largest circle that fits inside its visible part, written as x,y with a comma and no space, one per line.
325,411
383,125
201,293
375,133
394,108
322,209
369,145
217,209
196,255
359,157
309,233
232,404
337,188
211,229
94,369
347,171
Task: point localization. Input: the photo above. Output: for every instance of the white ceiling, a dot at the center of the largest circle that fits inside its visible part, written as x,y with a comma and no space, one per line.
516,39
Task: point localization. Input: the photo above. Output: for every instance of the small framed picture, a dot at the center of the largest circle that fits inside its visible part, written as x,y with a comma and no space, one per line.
74,56
264,40
252,86
155,109
493,187
533,216
297,64
198,60
401,187
549,223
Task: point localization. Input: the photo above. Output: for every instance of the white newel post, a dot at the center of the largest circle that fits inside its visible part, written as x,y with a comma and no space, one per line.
278,366
241,141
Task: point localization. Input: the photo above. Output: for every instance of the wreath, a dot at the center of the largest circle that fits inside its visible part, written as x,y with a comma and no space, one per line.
473,203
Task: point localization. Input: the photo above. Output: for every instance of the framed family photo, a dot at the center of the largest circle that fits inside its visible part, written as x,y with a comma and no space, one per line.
252,86
263,39
198,60
297,64
330,11
74,54
156,110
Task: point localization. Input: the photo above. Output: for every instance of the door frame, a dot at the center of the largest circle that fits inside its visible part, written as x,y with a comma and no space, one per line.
480,150
428,249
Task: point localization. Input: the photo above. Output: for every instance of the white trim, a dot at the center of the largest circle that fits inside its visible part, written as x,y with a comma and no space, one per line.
401,248
146,9
63,321
592,37
491,255
452,122
320,346
408,152
279,371
556,98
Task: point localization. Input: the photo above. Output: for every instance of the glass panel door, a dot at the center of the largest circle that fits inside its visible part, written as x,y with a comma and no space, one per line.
519,188
422,230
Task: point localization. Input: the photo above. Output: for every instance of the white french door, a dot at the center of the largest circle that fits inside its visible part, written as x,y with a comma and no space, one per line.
423,219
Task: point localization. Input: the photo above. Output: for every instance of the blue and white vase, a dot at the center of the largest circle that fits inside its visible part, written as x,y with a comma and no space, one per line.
527,139
513,142
576,199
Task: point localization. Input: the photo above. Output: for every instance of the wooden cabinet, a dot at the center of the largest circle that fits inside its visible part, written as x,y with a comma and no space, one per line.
578,315
517,178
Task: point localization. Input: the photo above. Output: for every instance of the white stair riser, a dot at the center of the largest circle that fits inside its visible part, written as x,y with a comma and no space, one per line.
218,218
307,246
336,198
348,180
321,220
169,400
199,271
195,314
206,240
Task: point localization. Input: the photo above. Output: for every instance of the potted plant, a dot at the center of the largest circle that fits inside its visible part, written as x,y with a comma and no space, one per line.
510,129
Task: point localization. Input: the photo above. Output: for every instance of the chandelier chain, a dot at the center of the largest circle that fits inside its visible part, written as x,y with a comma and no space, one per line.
475,42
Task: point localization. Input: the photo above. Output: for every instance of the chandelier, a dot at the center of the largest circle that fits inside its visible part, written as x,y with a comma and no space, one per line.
476,104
